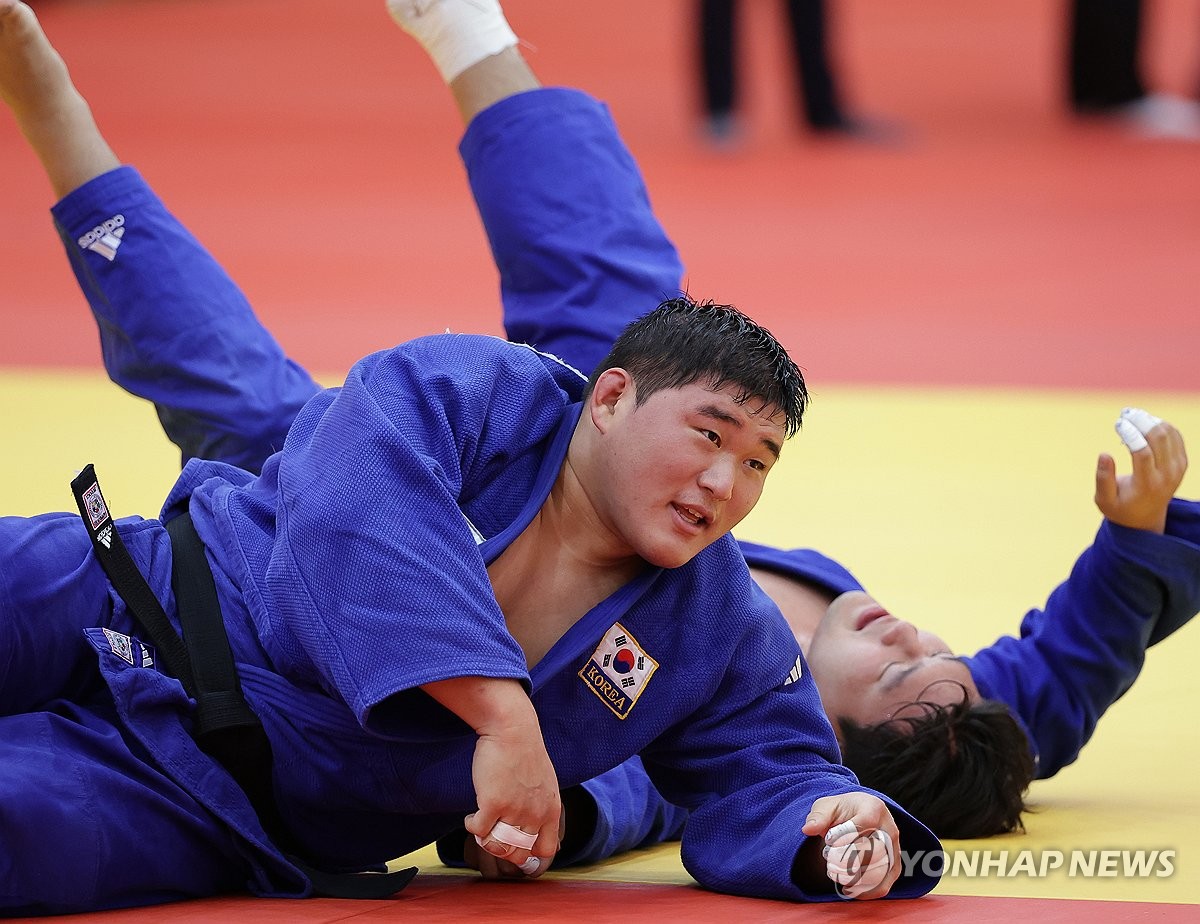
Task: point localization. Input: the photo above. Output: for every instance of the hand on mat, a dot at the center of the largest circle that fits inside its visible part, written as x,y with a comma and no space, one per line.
493,867
1139,500
861,843
519,805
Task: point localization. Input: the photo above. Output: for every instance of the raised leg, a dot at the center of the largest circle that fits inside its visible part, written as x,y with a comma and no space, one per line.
50,111
472,46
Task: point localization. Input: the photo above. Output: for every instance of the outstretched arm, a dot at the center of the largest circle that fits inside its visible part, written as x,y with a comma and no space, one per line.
1135,585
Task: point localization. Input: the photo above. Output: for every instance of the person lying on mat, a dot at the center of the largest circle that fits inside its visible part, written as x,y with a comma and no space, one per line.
1015,698
470,575
958,738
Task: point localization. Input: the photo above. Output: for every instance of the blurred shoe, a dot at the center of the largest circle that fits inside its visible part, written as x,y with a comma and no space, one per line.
723,130
1162,115
861,128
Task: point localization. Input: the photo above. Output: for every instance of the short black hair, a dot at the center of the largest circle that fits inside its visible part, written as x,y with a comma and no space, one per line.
683,341
963,769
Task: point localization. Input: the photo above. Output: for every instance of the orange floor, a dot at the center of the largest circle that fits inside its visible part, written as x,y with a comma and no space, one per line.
457,898
995,243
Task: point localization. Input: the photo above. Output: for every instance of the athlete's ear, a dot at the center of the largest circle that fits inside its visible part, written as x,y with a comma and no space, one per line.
612,393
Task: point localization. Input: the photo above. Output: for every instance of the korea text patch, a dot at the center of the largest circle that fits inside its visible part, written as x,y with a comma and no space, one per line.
618,670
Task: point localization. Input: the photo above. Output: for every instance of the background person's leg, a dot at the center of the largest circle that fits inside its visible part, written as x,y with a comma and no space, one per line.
717,34
578,247
472,46
809,31
1104,68
174,328
487,82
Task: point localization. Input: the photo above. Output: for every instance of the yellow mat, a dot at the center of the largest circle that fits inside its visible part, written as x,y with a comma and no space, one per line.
959,509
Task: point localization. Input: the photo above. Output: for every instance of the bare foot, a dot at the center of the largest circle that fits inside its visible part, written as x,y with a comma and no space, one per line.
33,78
54,118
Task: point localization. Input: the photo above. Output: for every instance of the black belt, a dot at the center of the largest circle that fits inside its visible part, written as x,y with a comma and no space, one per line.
226,728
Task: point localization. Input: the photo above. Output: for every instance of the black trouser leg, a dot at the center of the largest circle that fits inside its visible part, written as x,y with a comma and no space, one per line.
808,21
718,38
1104,70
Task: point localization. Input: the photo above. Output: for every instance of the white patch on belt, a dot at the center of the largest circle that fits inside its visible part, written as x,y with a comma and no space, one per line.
121,645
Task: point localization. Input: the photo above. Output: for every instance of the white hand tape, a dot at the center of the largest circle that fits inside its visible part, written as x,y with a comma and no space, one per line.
1130,435
483,842
531,865
862,865
840,832
1143,420
505,833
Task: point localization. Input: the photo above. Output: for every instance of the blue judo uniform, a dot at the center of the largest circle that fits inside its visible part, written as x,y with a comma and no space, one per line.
546,189
1068,663
352,569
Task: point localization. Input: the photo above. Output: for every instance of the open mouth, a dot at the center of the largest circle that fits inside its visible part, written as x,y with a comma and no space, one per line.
692,516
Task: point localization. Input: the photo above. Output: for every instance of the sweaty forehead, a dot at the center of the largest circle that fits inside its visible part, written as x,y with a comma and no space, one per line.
758,408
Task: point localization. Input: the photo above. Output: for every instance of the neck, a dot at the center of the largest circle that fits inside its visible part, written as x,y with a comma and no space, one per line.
573,521
802,605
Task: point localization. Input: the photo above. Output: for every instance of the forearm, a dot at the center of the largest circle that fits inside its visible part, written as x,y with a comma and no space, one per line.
755,844
1075,657
515,782
490,705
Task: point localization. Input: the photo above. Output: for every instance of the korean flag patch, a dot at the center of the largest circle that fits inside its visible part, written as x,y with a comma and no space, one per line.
618,670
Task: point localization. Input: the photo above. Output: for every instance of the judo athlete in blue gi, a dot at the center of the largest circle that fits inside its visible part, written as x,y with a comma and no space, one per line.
468,578
1068,662
1034,699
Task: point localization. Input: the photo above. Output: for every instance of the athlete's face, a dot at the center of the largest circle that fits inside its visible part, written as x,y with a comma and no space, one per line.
868,665
684,468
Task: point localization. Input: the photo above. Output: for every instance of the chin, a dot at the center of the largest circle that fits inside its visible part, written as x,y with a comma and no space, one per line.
671,556
668,561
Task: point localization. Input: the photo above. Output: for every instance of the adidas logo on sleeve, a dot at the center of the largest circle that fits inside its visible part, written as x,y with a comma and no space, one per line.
105,238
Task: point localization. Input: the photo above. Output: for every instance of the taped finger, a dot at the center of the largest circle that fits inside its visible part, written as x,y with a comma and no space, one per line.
1130,435
505,833
857,863
861,866
840,831
888,859
495,847
1143,420
531,865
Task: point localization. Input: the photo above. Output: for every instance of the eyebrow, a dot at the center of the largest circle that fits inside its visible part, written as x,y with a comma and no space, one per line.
898,678
714,412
